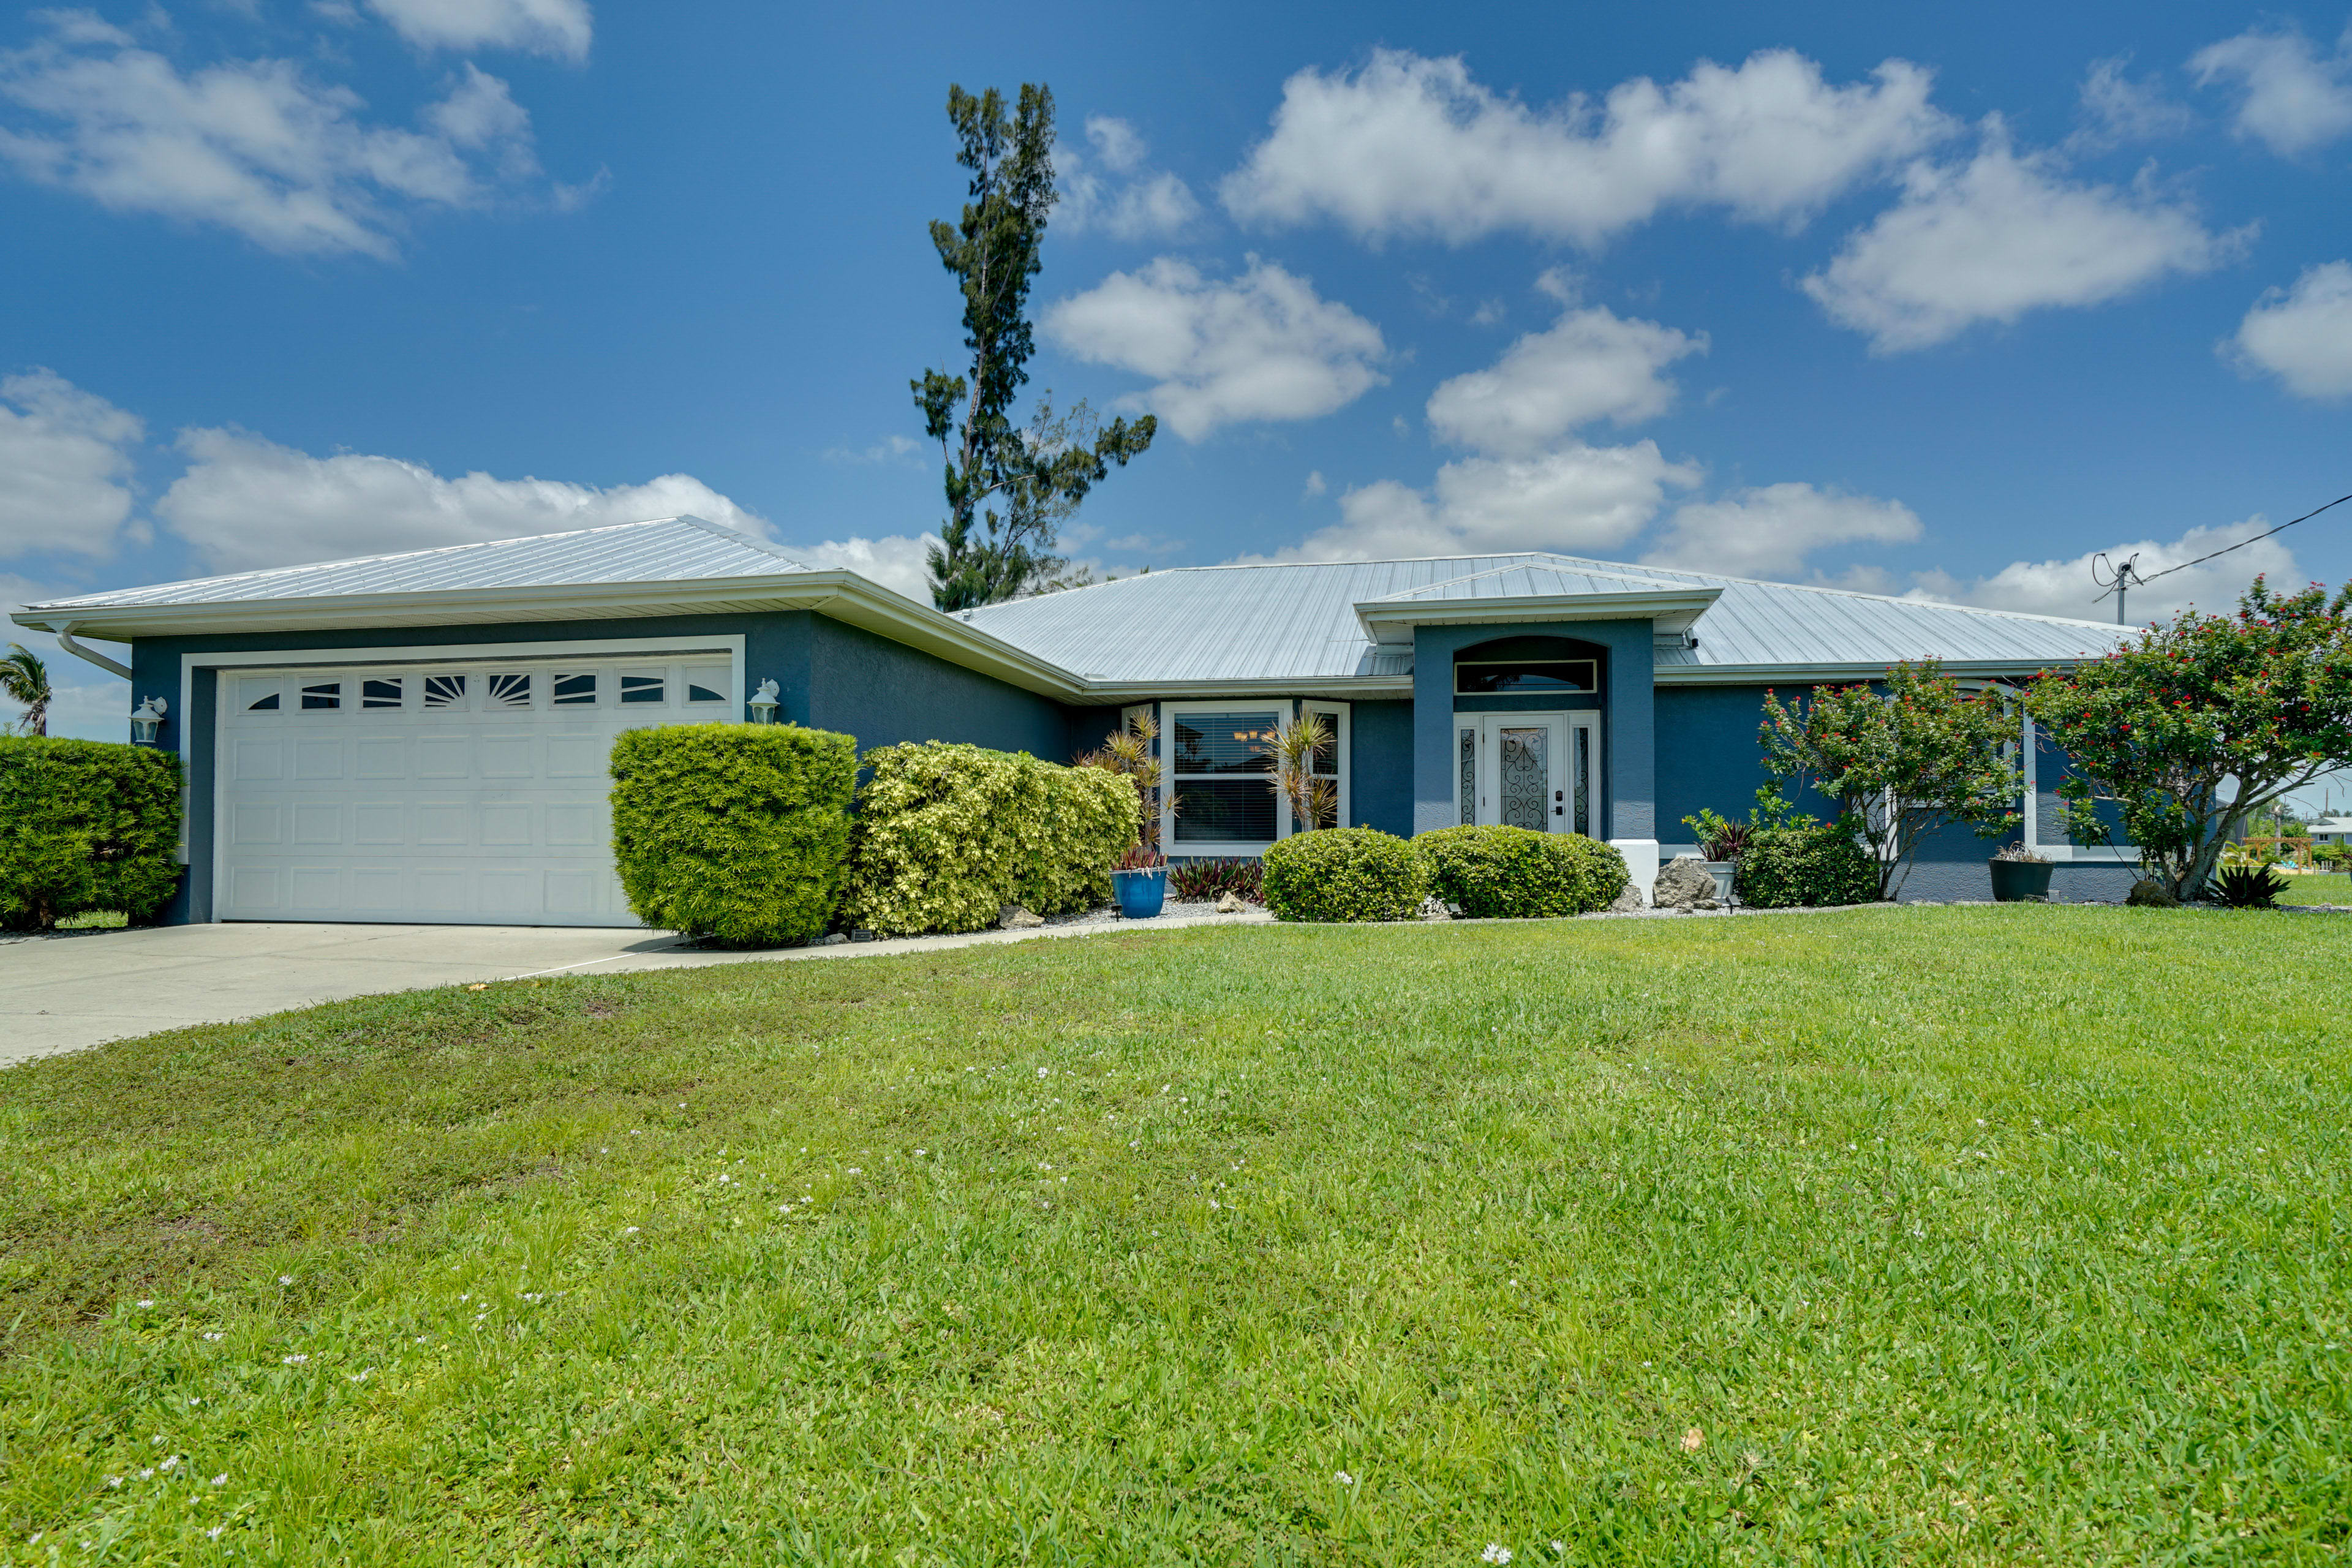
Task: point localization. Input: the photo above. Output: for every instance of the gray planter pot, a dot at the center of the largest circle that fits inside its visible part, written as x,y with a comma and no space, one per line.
1721,870
2021,881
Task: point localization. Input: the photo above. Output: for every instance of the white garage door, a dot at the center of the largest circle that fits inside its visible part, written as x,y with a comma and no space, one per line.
458,792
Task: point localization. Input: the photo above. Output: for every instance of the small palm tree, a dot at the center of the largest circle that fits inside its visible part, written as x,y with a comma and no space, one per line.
24,679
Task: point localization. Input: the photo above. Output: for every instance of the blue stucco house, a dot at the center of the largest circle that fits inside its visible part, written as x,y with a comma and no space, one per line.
422,737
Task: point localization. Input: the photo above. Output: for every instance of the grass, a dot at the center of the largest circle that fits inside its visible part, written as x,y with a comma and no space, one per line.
2318,888
1985,1236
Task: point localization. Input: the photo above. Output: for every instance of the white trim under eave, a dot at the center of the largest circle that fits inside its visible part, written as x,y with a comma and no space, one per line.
1815,674
1385,619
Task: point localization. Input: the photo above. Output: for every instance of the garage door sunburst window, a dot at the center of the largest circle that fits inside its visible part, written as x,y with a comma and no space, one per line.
509,691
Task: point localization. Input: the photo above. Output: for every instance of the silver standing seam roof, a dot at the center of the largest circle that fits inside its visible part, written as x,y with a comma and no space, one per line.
1193,626
664,549
1212,624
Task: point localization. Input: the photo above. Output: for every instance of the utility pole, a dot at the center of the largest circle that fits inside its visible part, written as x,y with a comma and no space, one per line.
2118,580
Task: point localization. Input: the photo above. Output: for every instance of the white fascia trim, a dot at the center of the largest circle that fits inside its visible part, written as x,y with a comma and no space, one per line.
1383,618
843,595
1810,674
1338,689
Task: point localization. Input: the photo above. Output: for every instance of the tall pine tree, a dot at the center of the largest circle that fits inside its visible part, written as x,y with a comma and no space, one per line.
1008,487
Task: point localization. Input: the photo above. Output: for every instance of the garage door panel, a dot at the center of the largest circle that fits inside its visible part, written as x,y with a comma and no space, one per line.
506,827
441,892
578,756
503,757
318,822
444,823
445,756
378,889
577,826
258,760
377,822
469,795
319,758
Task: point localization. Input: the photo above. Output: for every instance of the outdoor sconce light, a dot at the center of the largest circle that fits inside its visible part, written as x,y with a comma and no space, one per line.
146,719
763,703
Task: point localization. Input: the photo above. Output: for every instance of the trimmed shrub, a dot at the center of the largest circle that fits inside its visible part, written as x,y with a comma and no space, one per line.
1517,873
1345,874
733,833
1199,880
1809,865
85,826
948,834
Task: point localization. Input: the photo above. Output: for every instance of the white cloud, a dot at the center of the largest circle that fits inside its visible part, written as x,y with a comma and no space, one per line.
1262,346
557,27
1574,500
2303,335
2289,97
245,502
2116,109
65,467
254,146
896,562
889,450
1770,531
1410,145
2065,588
1128,202
1997,236
1590,365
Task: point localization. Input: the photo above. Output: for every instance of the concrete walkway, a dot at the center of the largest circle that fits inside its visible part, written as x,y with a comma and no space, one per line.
64,993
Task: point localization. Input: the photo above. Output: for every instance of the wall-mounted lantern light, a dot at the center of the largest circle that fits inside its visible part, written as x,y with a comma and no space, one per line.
146,719
763,703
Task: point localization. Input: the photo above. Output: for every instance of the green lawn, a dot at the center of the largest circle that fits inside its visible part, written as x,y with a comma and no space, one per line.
2320,888
1989,1235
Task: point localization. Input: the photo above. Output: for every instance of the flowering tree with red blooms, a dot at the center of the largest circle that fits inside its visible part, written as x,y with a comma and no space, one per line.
2197,726
1903,760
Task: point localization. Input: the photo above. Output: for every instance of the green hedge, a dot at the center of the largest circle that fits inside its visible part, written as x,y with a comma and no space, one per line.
85,826
948,834
736,833
1786,868
1344,874
1517,873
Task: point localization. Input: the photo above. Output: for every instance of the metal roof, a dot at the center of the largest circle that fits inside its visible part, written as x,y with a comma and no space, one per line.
1257,625
664,549
1265,623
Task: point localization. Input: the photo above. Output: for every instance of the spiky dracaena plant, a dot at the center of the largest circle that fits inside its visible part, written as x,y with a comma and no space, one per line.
1293,747
1128,753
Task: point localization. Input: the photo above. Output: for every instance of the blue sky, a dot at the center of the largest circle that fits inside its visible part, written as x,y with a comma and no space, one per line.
1902,299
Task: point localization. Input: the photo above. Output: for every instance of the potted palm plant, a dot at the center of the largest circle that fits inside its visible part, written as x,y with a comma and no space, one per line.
1139,879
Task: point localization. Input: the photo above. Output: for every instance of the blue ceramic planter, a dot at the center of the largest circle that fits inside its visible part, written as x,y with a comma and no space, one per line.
1139,893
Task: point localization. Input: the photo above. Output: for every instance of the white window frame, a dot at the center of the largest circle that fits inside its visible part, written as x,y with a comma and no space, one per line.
2031,811
1284,710
1336,715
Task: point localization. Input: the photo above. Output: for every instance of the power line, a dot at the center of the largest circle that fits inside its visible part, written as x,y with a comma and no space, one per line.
2127,576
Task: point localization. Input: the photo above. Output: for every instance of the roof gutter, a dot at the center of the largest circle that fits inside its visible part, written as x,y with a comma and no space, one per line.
65,640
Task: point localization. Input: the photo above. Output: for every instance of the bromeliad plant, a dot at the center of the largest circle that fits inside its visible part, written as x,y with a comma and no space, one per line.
1902,762
1719,837
2257,704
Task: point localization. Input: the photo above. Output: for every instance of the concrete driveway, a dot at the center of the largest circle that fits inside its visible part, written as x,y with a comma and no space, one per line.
63,993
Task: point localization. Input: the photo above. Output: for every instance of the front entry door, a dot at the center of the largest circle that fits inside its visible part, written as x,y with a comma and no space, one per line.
1537,770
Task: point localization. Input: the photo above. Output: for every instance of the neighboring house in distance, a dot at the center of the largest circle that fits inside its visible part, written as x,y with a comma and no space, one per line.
2331,830
423,737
